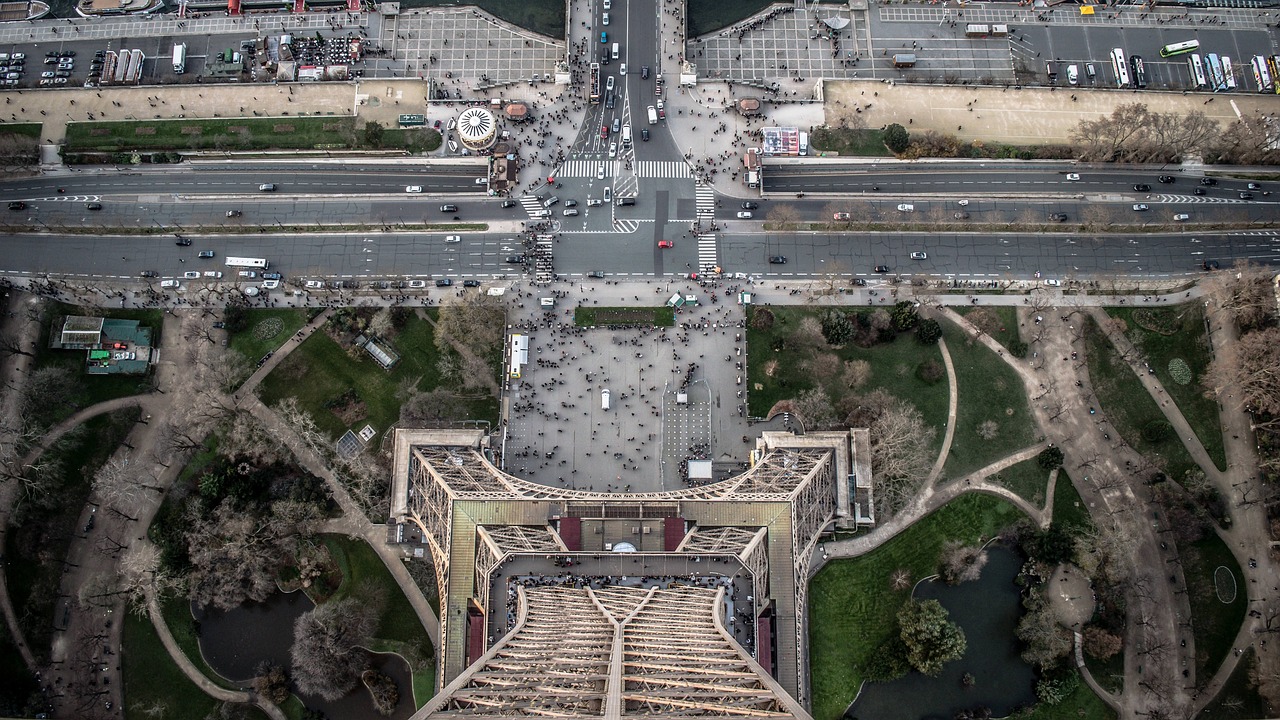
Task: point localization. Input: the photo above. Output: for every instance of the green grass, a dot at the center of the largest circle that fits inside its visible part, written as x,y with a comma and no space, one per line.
219,134
850,142
990,391
1128,406
1239,698
177,615
1213,623
541,16
584,316
1069,510
247,342
31,130
1005,331
151,679
1108,673
399,629
36,546
1189,343
1079,705
319,371
1026,479
893,368
851,604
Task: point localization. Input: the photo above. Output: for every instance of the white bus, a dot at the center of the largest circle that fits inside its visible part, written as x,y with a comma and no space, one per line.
1197,71
1213,72
246,262
1228,74
1120,67
1261,74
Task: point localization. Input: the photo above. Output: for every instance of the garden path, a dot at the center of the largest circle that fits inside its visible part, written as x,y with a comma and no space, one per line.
953,398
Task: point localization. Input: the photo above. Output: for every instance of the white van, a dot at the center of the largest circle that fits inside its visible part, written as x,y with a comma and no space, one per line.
604,399
626,136
615,51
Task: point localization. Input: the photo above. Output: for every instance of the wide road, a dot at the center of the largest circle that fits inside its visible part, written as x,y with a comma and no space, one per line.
483,255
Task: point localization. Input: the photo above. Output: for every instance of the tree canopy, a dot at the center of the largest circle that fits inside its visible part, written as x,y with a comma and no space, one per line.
932,639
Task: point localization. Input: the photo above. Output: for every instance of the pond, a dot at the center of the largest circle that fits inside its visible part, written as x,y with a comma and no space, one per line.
225,644
988,609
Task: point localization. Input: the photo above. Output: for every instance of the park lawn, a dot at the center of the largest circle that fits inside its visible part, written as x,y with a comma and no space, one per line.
319,371
412,139
256,339
177,615
991,391
851,605
359,563
1239,698
31,130
37,544
1189,343
1081,704
1213,623
213,133
1108,673
893,368
591,316
865,142
151,679
1027,480
1007,333
1069,510
1129,408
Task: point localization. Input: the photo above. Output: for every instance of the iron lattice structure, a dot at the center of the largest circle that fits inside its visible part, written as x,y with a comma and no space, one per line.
615,652
474,516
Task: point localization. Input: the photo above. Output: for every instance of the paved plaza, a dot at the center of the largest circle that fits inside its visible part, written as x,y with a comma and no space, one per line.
560,435
467,48
781,43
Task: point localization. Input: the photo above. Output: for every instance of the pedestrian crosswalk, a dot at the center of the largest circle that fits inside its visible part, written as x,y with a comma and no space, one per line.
662,169
586,169
531,205
708,257
705,198
543,261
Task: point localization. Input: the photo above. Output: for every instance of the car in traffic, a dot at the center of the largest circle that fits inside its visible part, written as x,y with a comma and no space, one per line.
840,216
1210,265
413,188
608,194
613,149
961,215
17,205
1208,181
604,37
184,242
594,202
571,203
1140,207
553,200
1255,186
149,273
448,208
267,187
570,212
444,282
1166,179
644,134
917,255
882,268
1141,187
1246,195
748,205
1057,217
482,181
452,238
596,274
1200,191
777,259
514,259
234,213
1073,176
509,203
744,215
205,254
962,203
860,282
906,207
666,244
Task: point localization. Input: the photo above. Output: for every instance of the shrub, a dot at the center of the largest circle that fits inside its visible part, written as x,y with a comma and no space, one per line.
896,138
1050,458
761,318
1157,431
1054,689
930,371
1018,349
837,328
1179,371
904,316
929,331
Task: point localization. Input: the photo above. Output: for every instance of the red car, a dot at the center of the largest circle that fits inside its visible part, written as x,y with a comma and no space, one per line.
666,244
604,132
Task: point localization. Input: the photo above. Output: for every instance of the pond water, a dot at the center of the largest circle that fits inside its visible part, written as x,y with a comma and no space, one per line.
234,641
988,609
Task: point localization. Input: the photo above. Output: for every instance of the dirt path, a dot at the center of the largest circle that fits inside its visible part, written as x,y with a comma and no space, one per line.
465,351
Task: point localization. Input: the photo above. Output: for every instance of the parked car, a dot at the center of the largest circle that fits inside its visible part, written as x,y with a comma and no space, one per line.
1073,176
417,284
444,282
882,268
1208,181
919,255
206,254
1181,217
17,205
906,207
840,216
184,242
1140,207
448,208
777,259
666,244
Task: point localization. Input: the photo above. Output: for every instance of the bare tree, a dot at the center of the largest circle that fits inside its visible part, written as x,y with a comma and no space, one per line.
1245,293
783,216
1248,368
119,484
326,653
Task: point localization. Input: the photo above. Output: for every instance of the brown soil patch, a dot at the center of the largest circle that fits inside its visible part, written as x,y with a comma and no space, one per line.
333,127
192,130
237,129
99,132
144,131
282,128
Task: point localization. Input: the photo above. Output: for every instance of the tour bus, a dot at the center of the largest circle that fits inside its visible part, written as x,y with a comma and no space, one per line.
1120,67
247,262
1213,72
1179,48
1197,71
1261,75
1139,71
1273,67
1228,74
